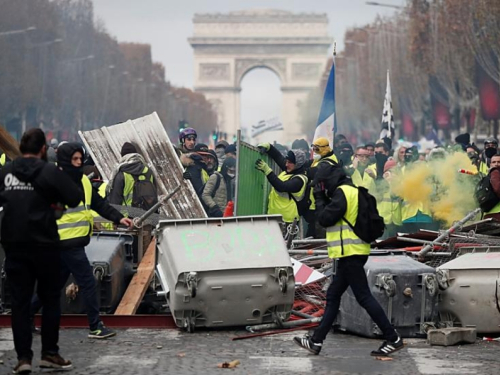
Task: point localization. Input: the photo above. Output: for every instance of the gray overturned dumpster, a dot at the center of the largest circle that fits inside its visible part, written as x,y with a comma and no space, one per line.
471,289
110,256
225,272
406,289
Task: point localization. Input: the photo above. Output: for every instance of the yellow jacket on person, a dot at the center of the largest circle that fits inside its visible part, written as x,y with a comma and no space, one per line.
340,238
102,192
128,189
282,203
77,222
365,181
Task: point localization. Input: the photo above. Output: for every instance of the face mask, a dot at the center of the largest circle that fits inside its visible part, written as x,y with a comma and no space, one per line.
316,157
231,175
490,151
220,152
345,157
381,158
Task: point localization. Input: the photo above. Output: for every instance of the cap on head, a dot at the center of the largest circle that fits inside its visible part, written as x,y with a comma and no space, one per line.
128,148
463,139
231,149
491,140
222,144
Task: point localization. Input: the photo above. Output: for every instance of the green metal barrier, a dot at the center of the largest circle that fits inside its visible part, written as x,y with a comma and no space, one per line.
252,188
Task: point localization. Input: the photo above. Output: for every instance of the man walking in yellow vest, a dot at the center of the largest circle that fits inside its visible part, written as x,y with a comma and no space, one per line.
75,229
336,206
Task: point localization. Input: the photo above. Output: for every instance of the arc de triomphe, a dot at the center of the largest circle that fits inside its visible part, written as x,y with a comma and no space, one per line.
227,46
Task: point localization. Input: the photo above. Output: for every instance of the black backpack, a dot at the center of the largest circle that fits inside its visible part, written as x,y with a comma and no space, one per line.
144,194
369,224
304,204
485,196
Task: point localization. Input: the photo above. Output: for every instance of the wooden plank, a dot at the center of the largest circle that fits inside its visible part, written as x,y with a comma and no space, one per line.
139,284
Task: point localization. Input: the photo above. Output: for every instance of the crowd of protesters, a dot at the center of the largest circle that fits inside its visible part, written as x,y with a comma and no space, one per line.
56,205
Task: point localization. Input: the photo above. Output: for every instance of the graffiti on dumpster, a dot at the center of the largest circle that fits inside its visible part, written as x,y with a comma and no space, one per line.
204,245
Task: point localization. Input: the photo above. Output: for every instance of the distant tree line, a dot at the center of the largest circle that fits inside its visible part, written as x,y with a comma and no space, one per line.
443,58
61,70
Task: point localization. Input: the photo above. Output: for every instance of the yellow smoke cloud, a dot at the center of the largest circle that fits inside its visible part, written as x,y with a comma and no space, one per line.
439,186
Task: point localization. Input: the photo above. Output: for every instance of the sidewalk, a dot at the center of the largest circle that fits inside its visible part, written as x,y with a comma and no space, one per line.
141,351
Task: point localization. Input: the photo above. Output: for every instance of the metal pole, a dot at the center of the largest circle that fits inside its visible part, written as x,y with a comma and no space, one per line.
139,220
291,324
423,242
446,233
311,241
308,252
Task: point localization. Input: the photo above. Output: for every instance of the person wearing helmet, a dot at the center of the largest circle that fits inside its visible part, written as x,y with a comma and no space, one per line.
490,149
187,140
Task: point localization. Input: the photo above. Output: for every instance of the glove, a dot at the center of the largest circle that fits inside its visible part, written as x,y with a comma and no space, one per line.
215,211
262,166
264,147
186,175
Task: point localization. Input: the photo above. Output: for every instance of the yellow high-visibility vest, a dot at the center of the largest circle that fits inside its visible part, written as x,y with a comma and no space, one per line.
340,238
281,203
77,222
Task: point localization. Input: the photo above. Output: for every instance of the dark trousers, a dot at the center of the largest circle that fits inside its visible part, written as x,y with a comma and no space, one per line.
74,261
350,272
23,269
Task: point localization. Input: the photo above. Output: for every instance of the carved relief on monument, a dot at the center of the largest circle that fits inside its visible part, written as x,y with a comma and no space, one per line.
244,65
214,72
306,71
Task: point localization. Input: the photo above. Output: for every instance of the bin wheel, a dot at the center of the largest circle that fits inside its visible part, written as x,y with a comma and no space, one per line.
283,283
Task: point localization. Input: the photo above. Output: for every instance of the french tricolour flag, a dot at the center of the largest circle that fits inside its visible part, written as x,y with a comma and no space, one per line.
327,126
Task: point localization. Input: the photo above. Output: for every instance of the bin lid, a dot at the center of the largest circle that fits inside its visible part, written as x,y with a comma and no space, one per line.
480,260
222,243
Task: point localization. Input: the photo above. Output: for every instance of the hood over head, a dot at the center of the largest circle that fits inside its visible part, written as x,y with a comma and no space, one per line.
332,176
296,157
64,155
228,163
26,169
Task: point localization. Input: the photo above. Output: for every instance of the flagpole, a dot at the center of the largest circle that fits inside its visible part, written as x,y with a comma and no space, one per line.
335,113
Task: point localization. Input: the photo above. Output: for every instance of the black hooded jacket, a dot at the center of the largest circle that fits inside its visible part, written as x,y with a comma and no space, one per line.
331,203
98,204
29,189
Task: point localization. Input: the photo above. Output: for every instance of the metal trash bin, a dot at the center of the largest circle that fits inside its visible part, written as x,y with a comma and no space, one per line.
406,289
225,271
470,287
110,256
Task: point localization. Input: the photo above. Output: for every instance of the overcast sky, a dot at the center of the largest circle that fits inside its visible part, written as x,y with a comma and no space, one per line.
166,25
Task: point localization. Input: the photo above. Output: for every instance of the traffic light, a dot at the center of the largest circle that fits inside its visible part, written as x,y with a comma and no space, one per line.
214,135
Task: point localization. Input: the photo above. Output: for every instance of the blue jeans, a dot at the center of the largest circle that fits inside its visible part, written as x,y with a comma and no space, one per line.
74,261
350,272
24,267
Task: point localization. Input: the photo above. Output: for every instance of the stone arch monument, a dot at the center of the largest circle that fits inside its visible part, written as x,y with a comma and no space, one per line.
227,46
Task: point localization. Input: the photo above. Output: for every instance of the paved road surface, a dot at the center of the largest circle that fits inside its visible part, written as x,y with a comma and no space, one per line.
153,351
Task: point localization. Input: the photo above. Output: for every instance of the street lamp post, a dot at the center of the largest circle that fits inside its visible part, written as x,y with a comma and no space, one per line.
14,32
374,3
